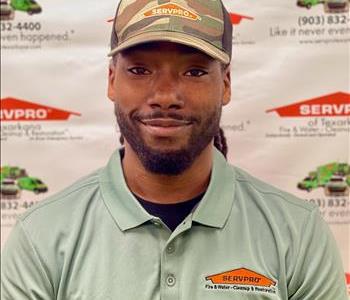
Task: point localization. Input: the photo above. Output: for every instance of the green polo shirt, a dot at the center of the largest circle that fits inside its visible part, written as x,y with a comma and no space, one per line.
245,240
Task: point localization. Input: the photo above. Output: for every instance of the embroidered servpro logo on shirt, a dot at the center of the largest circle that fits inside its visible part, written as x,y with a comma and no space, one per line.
243,280
172,9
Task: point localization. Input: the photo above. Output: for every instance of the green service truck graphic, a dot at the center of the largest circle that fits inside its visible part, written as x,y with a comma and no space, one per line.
334,178
6,11
308,3
336,6
15,179
330,6
9,189
29,6
12,172
32,184
8,8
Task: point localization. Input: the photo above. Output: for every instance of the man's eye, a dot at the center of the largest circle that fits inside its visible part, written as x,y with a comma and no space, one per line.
196,73
139,71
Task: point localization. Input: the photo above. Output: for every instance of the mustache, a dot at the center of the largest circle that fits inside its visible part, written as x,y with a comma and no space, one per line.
165,115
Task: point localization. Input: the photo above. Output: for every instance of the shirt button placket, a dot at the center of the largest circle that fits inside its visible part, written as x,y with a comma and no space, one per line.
170,286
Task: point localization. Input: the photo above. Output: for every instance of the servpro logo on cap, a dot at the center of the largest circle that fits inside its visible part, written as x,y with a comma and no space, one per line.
171,9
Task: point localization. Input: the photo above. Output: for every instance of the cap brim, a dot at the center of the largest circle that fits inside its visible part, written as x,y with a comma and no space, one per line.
175,37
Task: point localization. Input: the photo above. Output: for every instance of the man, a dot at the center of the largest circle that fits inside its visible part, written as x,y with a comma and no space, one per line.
168,217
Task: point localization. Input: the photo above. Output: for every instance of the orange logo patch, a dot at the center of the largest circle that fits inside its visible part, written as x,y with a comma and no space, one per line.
241,277
170,9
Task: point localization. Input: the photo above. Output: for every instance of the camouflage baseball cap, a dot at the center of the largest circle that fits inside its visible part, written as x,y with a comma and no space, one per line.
202,24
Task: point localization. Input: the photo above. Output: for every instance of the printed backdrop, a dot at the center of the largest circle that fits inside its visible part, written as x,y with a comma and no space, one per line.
288,122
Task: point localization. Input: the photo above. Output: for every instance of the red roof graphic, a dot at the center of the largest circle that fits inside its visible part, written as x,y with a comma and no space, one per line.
332,105
236,18
13,109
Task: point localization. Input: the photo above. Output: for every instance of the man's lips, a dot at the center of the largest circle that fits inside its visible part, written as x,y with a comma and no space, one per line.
165,122
165,127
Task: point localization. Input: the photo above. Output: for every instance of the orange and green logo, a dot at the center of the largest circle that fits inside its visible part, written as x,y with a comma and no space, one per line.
241,276
172,9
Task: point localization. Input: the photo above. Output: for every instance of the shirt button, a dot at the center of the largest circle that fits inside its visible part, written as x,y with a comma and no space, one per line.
156,223
170,280
170,248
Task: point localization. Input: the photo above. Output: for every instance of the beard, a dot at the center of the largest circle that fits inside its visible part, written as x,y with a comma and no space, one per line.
169,162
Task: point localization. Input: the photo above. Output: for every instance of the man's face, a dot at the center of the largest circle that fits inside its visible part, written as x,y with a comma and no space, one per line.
168,101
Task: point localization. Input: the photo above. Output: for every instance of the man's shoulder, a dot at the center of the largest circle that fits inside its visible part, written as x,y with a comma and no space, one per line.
64,203
269,196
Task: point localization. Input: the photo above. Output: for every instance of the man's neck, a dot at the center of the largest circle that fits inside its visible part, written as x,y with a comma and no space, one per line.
164,188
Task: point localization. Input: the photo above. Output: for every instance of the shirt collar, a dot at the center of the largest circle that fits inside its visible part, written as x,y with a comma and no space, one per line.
213,210
121,203
216,204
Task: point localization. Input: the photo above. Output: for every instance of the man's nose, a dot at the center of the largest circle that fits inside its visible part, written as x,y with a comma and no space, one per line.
166,92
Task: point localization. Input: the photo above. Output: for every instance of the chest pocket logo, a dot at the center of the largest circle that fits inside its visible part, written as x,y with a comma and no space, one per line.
243,280
241,276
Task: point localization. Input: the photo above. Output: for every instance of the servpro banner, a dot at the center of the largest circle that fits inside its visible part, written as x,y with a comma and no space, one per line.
288,122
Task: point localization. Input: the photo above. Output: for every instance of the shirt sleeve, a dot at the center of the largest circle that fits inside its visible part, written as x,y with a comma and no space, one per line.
318,272
22,274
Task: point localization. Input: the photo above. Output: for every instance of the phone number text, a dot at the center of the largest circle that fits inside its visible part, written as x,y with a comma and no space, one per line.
323,20
20,26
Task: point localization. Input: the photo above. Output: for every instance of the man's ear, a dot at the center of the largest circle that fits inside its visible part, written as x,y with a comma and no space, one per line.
111,81
227,85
